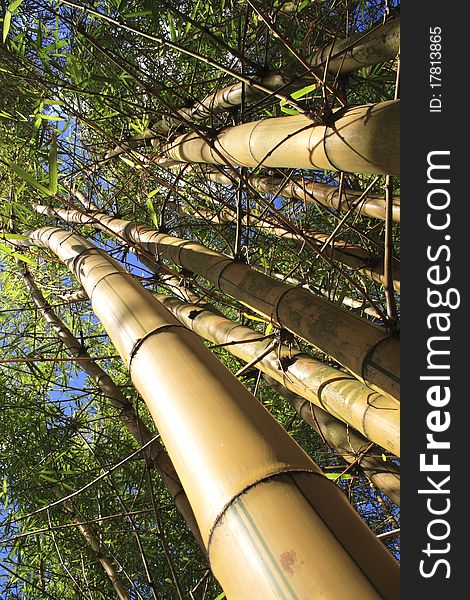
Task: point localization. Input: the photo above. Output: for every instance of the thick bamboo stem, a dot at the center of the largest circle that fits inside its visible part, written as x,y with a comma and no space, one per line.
311,191
346,300
155,453
359,50
359,259
376,417
360,139
366,350
233,458
362,49
350,445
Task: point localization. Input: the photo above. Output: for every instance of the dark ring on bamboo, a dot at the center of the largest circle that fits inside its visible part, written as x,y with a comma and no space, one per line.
127,226
138,343
368,359
255,160
276,307
324,384
229,262
80,254
263,479
122,273
335,168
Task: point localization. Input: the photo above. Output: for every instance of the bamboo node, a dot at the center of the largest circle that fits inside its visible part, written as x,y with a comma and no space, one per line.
138,343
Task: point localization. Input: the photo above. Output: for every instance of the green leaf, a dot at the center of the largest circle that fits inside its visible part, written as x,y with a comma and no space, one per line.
53,169
28,178
10,252
153,214
295,96
6,24
14,236
253,318
171,24
304,91
14,5
220,596
287,110
338,475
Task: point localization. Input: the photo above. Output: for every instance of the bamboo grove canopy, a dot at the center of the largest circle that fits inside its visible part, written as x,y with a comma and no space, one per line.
199,284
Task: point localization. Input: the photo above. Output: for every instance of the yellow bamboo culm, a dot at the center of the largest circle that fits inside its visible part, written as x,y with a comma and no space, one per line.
367,351
361,260
310,191
360,139
273,525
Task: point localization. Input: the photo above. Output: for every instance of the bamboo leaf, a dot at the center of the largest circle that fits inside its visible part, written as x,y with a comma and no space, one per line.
6,24
28,178
253,318
14,236
53,168
338,476
153,214
10,252
304,91
295,96
14,5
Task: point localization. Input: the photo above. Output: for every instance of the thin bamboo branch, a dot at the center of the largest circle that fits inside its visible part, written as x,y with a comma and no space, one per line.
99,552
362,261
311,191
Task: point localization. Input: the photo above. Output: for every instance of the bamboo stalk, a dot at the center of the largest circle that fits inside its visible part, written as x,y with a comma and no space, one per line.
99,552
367,351
311,191
346,441
346,300
376,417
155,452
360,139
233,458
380,44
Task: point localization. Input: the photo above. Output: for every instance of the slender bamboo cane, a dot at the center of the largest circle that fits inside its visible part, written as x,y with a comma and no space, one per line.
99,552
155,452
361,260
376,417
233,458
361,139
311,191
349,444
366,350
